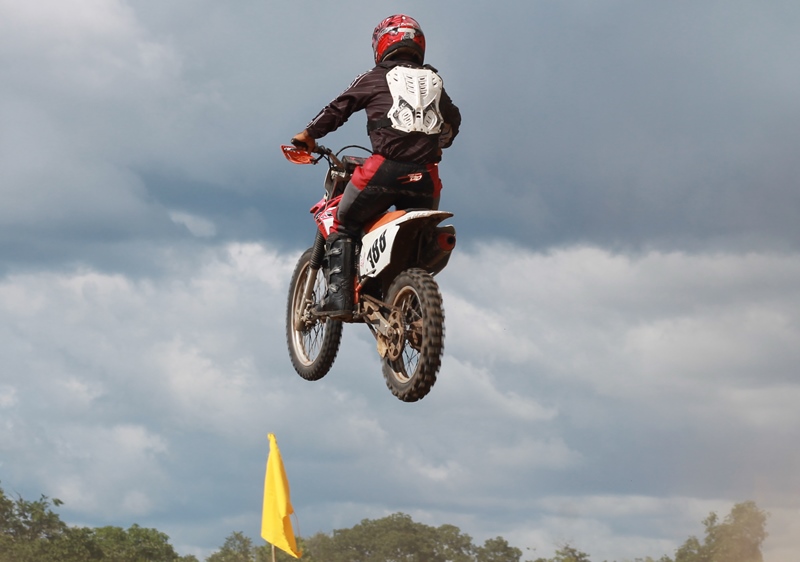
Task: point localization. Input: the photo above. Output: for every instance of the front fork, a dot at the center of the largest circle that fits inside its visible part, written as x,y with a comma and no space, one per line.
385,322
317,255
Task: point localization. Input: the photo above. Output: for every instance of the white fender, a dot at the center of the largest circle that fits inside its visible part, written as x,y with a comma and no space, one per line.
377,244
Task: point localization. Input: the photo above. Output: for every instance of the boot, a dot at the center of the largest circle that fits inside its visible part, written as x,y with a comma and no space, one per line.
338,300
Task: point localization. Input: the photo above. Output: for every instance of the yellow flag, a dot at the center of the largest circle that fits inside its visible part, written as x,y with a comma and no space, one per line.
276,527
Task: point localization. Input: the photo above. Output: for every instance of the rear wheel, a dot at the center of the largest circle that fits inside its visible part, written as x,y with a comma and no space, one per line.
313,342
412,374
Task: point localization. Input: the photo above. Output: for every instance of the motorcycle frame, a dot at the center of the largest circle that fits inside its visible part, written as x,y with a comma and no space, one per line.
388,259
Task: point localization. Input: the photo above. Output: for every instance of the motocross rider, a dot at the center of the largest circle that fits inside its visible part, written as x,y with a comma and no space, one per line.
410,119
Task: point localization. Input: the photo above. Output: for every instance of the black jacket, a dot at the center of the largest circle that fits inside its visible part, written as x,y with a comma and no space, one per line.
370,91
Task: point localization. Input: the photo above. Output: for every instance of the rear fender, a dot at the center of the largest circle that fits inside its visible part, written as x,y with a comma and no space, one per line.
379,242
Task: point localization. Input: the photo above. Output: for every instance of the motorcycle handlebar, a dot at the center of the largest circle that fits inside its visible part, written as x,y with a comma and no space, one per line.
323,152
328,153
318,149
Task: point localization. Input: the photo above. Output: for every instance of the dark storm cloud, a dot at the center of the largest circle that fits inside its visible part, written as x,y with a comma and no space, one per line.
633,124
628,125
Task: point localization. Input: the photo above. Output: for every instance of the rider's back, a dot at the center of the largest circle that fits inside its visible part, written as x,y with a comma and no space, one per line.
371,92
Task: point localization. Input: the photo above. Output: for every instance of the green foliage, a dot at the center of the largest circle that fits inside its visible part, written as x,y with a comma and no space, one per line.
240,548
30,531
22,520
737,538
455,546
691,551
237,548
566,553
396,538
569,554
135,544
497,550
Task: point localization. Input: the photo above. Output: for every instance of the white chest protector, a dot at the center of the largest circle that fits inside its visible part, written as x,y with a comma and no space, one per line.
415,93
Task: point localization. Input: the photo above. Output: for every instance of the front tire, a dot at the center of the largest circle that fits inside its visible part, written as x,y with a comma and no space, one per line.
313,342
415,293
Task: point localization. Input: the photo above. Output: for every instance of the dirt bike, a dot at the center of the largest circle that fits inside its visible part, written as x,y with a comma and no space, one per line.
396,295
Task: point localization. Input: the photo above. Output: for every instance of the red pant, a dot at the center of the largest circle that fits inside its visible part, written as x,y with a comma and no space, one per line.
381,183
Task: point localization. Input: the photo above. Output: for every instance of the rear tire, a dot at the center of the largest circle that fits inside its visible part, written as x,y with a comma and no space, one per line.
313,342
411,376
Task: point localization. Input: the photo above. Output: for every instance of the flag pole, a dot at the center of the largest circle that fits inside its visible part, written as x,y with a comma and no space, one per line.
273,553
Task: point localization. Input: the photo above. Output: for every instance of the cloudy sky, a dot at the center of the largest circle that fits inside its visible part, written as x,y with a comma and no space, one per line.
622,309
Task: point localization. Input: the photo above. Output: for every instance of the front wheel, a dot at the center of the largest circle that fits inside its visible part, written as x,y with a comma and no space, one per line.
416,295
313,342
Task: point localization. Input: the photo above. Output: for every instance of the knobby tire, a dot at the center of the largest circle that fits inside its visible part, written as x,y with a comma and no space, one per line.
413,374
313,348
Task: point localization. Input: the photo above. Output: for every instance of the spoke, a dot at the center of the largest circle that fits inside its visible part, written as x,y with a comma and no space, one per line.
412,319
414,333
312,338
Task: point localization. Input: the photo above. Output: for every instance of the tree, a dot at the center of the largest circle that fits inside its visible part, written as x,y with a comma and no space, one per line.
264,553
566,553
396,538
22,520
740,536
30,531
237,548
136,544
692,551
497,550
737,538
452,545
319,546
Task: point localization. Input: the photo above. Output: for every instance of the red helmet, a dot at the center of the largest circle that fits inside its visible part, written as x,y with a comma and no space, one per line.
398,34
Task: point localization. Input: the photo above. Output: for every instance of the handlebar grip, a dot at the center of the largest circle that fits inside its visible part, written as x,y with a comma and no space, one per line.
318,148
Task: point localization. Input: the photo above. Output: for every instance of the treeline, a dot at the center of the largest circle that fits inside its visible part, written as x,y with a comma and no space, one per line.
30,531
397,538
